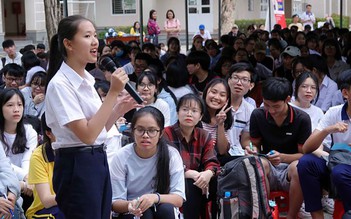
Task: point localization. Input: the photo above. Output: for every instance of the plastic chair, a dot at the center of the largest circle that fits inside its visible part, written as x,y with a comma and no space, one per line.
281,199
338,209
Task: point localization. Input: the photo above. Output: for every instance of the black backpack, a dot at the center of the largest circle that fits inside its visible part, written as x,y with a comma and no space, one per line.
242,190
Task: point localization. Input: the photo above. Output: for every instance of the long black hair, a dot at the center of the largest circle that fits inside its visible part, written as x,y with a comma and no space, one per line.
206,117
163,159
19,145
67,28
302,78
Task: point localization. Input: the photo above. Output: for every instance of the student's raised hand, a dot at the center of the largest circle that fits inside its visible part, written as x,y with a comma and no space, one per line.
204,179
125,103
119,78
338,127
222,115
274,157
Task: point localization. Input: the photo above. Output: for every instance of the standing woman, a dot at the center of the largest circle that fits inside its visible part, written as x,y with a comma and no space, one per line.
17,139
152,27
148,175
172,25
80,121
199,157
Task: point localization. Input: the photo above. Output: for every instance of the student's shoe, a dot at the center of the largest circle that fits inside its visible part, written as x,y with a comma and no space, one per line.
302,213
328,204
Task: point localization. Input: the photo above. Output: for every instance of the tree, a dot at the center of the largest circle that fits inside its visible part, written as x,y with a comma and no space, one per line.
227,15
52,16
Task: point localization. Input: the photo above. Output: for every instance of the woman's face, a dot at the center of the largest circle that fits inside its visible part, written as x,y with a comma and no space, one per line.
189,114
275,52
173,47
300,40
198,44
154,15
216,96
137,25
13,109
170,15
239,43
84,45
299,69
145,126
330,50
106,50
147,90
241,56
37,87
225,68
307,91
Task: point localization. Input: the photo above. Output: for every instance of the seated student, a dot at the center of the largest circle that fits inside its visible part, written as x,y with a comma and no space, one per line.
40,175
147,176
198,63
217,118
313,171
9,189
141,62
199,157
279,130
147,87
13,76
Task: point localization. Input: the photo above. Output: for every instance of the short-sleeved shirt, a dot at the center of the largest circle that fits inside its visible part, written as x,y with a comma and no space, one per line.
292,134
241,123
197,154
70,97
332,116
40,171
326,91
133,176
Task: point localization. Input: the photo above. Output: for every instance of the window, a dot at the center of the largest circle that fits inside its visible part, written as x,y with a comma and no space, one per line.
250,5
264,5
123,6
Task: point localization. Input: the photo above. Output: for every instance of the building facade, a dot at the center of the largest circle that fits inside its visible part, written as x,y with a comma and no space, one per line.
27,18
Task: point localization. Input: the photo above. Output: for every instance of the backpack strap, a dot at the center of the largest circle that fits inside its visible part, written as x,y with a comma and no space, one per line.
3,59
251,174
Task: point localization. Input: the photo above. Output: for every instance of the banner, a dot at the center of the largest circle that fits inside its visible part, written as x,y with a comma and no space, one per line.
277,14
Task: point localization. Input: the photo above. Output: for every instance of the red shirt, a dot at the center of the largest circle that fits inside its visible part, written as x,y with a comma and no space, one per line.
197,154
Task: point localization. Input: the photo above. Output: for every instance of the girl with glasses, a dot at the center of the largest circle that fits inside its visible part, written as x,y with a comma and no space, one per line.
147,176
199,157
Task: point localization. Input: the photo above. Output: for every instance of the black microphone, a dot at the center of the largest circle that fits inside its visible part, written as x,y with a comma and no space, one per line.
110,66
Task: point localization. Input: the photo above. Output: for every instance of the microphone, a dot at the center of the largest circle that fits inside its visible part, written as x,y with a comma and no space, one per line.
110,66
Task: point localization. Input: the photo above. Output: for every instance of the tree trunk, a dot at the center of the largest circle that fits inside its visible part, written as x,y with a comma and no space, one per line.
227,15
52,16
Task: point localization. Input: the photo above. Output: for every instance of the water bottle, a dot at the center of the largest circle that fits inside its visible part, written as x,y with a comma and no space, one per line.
227,195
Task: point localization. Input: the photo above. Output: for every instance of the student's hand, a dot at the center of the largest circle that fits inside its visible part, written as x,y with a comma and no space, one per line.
338,127
203,179
119,78
222,115
146,201
249,151
26,189
125,104
134,208
192,174
38,98
12,198
5,205
274,157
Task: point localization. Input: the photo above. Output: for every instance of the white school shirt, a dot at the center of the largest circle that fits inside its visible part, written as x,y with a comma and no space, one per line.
326,92
70,97
20,162
332,116
241,123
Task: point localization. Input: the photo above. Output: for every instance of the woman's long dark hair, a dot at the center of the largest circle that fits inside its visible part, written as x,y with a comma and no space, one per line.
302,78
67,28
19,145
162,170
206,117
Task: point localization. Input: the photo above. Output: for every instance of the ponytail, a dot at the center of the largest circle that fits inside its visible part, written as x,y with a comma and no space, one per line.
56,59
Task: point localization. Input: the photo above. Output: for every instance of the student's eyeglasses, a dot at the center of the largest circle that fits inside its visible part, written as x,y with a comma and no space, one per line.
38,85
11,79
236,79
141,132
143,86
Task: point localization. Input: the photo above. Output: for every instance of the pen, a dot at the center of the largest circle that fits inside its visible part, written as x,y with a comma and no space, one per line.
5,196
251,146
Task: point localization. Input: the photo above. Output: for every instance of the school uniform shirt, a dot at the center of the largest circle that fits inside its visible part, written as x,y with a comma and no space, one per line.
241,123
338,67
332,116
40,171
70,97
133,176
164,108
8,179
326,92
287,138
197,154
20,162
16,60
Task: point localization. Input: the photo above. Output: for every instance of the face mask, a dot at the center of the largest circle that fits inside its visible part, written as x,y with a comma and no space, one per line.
119,54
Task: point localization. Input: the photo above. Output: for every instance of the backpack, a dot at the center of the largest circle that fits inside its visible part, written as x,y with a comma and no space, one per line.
242,190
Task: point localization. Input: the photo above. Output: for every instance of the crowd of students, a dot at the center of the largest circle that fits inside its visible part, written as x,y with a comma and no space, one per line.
282,95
